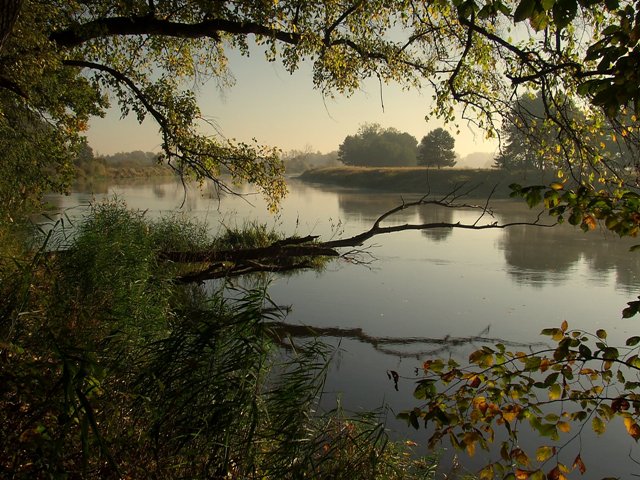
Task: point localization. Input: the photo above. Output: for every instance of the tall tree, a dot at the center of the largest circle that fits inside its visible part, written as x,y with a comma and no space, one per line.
436,149
527,131
531,135
374,146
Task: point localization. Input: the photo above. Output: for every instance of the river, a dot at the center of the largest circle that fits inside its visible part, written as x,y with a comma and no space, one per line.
412,295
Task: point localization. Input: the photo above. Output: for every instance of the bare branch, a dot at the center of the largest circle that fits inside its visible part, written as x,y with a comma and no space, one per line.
294,253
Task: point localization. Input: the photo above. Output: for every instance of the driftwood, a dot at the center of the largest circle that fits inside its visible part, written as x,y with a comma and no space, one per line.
297,253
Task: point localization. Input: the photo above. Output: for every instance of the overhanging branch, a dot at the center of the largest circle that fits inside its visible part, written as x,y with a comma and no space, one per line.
296,253
148,25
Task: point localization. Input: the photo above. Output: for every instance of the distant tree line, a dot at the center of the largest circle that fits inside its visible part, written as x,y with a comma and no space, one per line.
89,164
298,161
137,158
375,146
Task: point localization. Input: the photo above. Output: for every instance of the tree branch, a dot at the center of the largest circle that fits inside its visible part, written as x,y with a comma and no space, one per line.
147,25
9,11
122,78
293,253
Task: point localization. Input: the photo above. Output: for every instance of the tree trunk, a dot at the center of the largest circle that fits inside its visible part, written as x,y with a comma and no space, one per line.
9,10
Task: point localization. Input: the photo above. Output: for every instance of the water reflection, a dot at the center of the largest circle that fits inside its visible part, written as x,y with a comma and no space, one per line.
393,346
534,256
435,214
367,207
417,301
539,256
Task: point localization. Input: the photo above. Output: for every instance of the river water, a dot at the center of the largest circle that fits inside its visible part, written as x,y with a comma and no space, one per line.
414,295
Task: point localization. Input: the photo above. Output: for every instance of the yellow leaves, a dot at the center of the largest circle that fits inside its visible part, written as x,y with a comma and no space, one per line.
545,363
564,427
518,455
474,381
579,464
558,473
521,474
470,439
510,412
435,366
590,222
632,428
544,453
487,473
555,392
482,358
598,425
480,403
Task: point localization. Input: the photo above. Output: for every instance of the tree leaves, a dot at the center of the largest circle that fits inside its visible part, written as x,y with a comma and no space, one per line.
588,208
501,390
544,453
632,428
598,425
436,149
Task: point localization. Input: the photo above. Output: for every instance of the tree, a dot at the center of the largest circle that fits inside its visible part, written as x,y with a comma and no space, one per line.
530,134
374,146
436,149
75,57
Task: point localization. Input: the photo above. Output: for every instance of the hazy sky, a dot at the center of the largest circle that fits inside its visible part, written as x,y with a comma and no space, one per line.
284,110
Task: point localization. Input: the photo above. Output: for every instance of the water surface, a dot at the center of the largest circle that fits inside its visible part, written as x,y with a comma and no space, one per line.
412,295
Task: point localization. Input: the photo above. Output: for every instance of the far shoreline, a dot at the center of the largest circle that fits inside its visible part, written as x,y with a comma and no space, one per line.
476,182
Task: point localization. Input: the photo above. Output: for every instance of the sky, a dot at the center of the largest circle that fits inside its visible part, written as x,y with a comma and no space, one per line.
283,110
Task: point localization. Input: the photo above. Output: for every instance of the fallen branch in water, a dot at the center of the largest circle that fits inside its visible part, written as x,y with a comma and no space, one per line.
297,253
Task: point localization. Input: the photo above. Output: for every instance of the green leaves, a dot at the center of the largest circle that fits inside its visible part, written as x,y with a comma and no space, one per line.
632,309
525,10
541,13
586,207
500,389
598,425
426,389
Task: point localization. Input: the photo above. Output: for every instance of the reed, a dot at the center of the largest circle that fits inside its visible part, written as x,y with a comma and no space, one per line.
116,371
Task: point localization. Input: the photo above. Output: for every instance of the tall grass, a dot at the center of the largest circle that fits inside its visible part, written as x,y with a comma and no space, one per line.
120,373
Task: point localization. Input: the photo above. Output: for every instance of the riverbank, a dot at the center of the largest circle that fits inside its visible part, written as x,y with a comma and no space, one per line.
100,171
423,180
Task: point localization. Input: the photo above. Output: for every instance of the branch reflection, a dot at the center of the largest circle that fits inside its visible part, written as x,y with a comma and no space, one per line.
392,346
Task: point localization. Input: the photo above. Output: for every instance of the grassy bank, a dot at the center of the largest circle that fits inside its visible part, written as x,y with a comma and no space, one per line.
422,179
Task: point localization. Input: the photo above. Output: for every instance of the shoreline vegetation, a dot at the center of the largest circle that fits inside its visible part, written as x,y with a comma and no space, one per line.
478,182
111,369
121,171
132,172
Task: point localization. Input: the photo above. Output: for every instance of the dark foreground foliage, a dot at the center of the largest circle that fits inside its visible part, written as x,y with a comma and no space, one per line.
108,369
